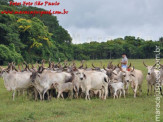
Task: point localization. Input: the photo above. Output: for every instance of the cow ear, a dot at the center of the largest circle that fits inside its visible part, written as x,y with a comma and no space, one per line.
55,84
132,75
85,76
38,75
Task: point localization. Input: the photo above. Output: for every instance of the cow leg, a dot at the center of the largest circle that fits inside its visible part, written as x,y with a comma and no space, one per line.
120,92
151,89
155,89
76,91
77,94
71,94
13,95
48,95
28,94
123,93
114,95
106,92
35,92
117,92
62,96
44,94
23,92
40,95
87,95
100,94
140,89
59,95
109,91
135,90
51,93
127,84
148,89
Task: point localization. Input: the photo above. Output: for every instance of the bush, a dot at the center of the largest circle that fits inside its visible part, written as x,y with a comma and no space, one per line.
8,54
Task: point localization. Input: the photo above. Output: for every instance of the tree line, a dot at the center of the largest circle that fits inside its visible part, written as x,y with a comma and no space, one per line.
33,38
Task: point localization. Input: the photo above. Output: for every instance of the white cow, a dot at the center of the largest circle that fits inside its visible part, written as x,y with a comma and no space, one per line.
151,77
14,81
93,80
43,81
135,77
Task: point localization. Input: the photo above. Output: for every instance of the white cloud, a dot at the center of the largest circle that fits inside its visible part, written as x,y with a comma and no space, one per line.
105,19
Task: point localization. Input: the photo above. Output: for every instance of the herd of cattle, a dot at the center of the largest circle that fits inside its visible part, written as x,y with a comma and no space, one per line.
61,80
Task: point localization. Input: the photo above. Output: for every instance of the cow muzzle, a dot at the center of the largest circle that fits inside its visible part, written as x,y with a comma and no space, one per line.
81,78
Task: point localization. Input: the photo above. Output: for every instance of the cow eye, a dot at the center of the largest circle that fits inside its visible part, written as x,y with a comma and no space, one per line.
124,75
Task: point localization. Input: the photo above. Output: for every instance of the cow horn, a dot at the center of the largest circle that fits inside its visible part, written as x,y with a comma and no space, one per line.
129,66
109,65
85,67
81,66
114,68
104,68
36,65
154,65
43,61
133,69
93,66
73,63
32,66
25,62
119,67
22,66
144,64
19,68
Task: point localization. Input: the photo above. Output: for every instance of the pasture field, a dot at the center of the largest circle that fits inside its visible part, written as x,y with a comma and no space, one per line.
140,109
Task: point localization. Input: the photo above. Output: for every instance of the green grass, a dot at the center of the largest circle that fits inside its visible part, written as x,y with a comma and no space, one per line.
140,109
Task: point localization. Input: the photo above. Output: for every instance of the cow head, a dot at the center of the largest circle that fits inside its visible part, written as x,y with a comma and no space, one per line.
149,68
7,70
54,85
128,74
80,74
110,71
34,76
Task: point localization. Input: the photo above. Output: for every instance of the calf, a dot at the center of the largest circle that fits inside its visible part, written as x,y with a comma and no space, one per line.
64,87
118,86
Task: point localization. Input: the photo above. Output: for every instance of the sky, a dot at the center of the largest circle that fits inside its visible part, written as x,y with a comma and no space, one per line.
102,20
